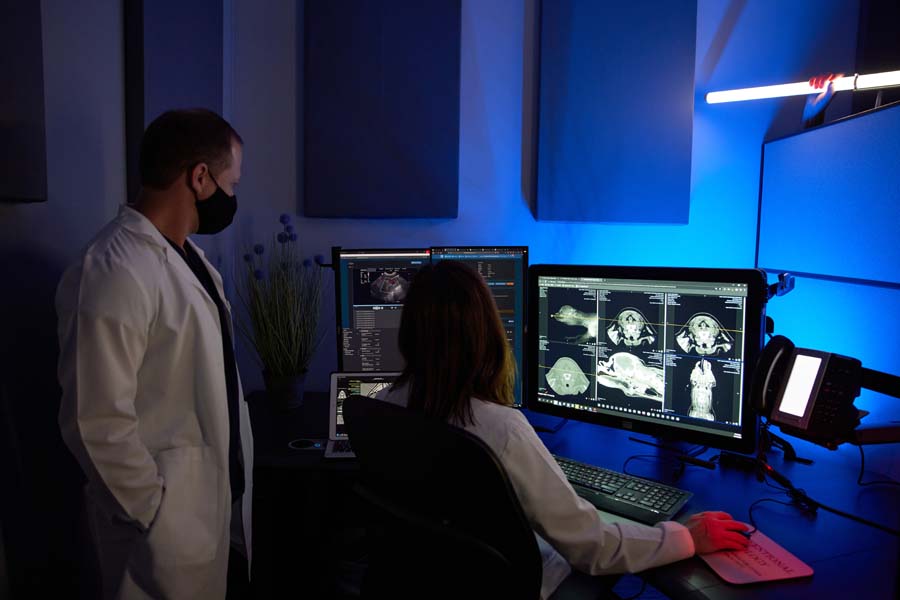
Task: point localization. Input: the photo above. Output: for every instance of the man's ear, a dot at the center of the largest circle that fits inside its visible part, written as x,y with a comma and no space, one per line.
197,176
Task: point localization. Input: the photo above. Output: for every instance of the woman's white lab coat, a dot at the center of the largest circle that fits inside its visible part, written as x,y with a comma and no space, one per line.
144,410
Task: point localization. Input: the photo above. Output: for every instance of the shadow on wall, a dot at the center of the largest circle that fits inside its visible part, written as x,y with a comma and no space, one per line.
45,536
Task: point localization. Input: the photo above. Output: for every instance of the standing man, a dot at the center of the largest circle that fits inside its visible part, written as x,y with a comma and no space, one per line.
152,405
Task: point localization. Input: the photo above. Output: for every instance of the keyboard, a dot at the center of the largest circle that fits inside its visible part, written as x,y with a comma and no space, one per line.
626,495
342,446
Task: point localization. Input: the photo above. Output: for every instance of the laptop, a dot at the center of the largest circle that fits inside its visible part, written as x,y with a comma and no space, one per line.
344,385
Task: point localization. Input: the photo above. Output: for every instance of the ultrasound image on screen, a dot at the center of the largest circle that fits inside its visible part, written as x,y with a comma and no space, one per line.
381,285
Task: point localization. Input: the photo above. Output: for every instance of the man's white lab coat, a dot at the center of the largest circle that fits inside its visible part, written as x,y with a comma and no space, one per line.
145,412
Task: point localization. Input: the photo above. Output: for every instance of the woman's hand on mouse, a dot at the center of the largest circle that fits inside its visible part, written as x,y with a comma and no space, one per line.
715,530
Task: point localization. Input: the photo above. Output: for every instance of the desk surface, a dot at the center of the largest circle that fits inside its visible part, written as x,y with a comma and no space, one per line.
850,560
274,429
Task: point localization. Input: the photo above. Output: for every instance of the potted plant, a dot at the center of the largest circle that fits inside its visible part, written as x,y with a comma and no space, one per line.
281,295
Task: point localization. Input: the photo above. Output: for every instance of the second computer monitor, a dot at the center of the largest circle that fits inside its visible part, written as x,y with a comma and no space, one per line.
504,269
371,284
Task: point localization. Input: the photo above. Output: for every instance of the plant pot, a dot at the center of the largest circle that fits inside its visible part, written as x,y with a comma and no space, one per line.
285,391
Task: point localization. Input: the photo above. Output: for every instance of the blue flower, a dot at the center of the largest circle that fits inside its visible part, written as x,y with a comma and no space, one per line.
248,257
258,274
259,248
289,228
282,237
307,262
284,219
293,237
320,260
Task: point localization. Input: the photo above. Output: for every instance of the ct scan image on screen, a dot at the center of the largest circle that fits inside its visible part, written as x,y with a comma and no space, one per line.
630,349
654,350
569,356
705,336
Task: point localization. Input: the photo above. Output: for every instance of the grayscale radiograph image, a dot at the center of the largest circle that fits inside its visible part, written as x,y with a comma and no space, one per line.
702,383
382,285
631,328
571,316
704,335
628,373
566,378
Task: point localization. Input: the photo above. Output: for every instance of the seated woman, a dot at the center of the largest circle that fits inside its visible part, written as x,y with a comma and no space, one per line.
459,368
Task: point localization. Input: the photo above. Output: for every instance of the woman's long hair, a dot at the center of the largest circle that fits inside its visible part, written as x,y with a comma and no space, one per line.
454,344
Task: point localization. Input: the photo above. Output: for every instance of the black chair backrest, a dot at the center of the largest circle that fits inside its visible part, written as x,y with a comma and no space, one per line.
445,520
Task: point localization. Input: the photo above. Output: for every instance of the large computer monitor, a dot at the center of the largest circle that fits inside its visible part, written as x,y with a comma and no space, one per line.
504,269
370,286
665,351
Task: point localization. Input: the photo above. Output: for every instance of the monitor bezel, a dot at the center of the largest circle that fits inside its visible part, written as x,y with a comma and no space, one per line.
336,265
756,303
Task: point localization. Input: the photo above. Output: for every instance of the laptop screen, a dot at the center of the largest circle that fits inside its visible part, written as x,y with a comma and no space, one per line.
344,385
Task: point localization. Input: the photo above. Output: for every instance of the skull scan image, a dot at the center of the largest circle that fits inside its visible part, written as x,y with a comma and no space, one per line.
566,378
704,335
389,287
627,372
631,329
570,316
702,383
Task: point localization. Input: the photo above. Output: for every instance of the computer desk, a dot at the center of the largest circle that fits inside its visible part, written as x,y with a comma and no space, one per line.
300,497
849,559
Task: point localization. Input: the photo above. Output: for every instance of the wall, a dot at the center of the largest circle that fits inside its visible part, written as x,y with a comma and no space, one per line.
738,44
84,112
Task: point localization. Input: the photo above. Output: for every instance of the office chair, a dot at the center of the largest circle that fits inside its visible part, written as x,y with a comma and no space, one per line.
444,520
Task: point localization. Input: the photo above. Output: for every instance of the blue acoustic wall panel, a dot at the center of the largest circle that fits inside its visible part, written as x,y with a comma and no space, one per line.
616,110
381,108
830,199
173,59
23,143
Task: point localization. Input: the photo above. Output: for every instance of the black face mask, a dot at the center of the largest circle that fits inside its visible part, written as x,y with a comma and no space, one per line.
216,212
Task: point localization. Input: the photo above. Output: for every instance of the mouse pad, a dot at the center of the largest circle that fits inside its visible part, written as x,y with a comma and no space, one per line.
763,560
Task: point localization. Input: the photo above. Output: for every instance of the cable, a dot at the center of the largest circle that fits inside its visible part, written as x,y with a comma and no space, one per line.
760,501
862,467
638,457
800,498
666,460
895,532
680,463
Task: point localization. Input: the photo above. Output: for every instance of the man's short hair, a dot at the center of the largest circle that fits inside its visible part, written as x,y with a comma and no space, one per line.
178,140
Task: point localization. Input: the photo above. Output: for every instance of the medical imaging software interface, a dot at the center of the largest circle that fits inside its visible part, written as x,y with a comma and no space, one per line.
355,385
661,351
373,285
503,269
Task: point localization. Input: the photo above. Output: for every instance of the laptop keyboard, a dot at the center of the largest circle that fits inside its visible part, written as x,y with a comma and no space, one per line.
341,446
